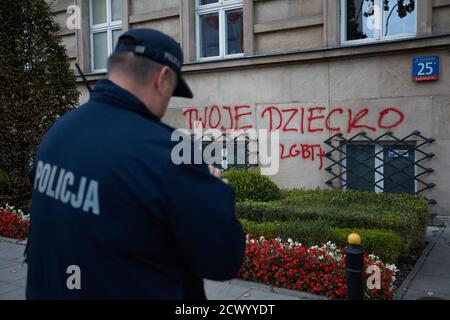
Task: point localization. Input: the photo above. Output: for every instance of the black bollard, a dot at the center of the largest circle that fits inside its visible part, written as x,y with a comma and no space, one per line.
355,268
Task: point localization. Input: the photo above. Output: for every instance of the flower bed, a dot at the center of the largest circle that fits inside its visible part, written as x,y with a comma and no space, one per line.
13,223
317,269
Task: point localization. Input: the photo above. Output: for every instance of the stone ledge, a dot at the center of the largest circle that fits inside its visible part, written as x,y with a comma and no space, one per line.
262,287
287,24
155,15
307,56
14,241
441,3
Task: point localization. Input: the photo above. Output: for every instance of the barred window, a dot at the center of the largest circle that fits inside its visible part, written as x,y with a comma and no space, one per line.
380,168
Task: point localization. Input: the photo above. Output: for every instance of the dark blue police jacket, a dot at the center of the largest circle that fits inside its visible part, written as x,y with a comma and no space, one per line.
113,218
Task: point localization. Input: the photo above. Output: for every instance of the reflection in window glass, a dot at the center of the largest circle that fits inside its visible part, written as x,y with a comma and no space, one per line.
234,32
359,15
399,17
361,167
116,35
98,11
209,35
203,2
116,10
100,50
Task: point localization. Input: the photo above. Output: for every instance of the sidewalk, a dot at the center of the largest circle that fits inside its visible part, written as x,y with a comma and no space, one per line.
13,281
12,274
430,278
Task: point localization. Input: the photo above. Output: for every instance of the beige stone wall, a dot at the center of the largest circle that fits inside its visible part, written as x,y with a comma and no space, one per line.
170,26
373,83
375,77
441,18
148,6
68,37
163,15
288,24
277,25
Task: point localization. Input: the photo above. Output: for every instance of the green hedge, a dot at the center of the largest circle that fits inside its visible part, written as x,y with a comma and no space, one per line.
306,232
388,245
251,185
404,214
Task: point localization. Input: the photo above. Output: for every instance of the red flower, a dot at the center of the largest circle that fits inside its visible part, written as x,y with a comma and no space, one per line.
320,270
12,225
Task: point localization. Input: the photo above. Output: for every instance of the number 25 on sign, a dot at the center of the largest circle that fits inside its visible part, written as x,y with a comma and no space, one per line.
425,69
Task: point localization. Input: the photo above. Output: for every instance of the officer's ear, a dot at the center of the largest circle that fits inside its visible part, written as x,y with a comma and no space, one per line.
164,80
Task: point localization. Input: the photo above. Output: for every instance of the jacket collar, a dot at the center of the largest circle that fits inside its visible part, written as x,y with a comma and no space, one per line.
108,92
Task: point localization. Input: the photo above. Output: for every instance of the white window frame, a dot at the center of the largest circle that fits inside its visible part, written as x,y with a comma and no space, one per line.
219,7
107,27
379,168
378,33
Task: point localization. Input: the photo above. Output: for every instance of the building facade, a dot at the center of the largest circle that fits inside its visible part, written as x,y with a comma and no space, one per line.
358,89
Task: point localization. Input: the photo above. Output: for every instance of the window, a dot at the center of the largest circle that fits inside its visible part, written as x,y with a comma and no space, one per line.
380,168
225,154
105,28
219,29
372,20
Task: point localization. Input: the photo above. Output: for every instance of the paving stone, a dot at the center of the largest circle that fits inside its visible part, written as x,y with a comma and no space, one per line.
223,290
15,252
423,284
7,263
13,273
248,290
21,283
7,287
9,240
298,294
251,285
437,263
18,294
436,268
446,234
6,245
255,294
413,295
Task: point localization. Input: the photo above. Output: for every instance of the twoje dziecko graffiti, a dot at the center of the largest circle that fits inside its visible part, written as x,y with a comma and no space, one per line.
305,121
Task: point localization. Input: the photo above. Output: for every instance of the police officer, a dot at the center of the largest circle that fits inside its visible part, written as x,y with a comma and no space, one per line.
112,216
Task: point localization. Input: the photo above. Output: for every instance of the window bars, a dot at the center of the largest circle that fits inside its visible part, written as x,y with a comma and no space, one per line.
376,170
229,150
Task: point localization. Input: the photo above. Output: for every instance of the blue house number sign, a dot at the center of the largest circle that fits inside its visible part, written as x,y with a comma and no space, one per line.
426,68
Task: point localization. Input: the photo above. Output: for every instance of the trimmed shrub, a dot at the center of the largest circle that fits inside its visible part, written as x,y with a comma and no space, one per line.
267,230
404,214
251,185
388,245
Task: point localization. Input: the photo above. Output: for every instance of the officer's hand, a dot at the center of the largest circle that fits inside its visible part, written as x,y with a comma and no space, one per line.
214,171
